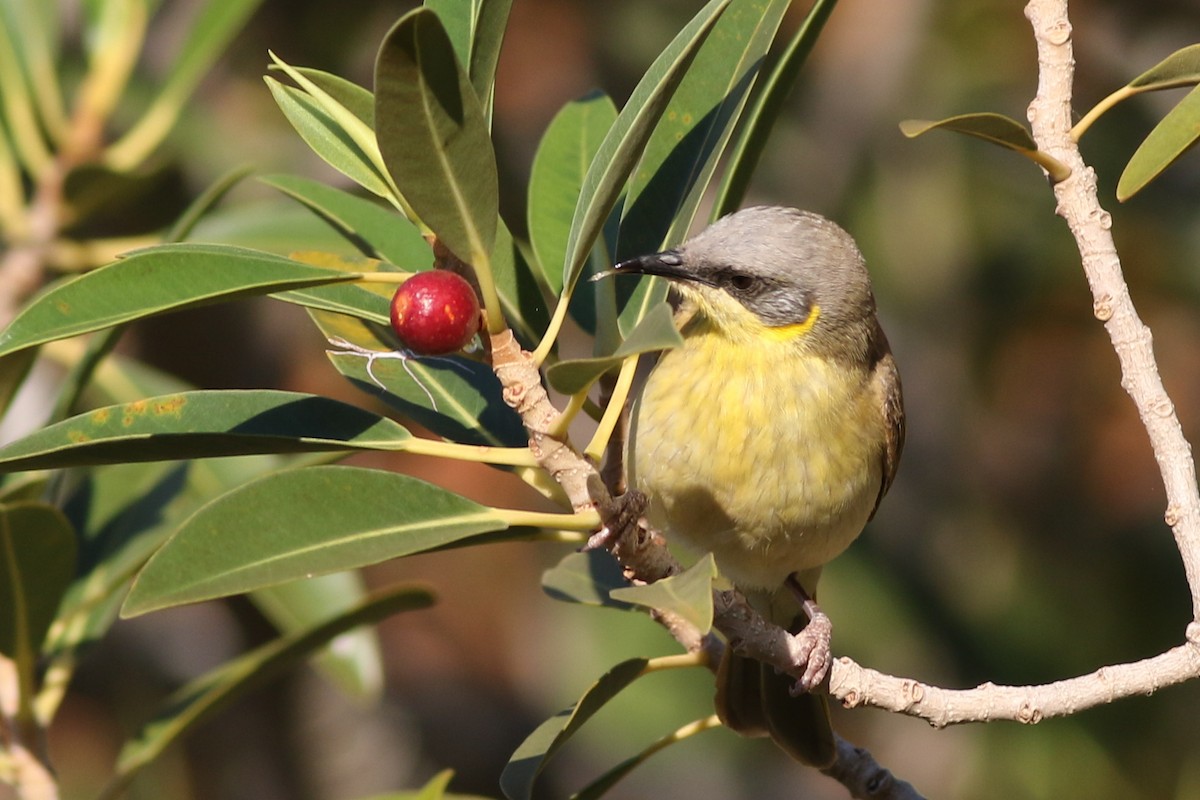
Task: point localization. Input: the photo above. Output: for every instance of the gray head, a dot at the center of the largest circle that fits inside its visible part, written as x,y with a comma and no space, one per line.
792,272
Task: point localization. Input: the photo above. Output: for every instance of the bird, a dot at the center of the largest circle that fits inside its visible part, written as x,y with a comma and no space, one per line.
770,436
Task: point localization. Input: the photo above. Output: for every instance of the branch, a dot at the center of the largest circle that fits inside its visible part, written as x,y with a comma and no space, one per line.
1091,225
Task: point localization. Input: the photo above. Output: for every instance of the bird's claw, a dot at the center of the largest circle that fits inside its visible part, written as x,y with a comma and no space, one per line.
810,649
620,515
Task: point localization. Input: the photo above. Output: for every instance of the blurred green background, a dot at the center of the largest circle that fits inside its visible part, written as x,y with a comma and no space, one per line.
1022,542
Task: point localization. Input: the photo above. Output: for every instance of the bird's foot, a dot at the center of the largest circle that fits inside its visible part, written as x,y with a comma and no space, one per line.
620,516
810,648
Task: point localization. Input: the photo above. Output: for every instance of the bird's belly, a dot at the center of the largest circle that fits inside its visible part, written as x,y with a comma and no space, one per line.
773,464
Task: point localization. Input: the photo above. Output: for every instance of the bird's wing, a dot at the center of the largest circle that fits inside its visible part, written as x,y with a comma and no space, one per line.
886,379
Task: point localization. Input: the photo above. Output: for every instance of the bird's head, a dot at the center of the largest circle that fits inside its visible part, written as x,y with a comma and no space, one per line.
774,274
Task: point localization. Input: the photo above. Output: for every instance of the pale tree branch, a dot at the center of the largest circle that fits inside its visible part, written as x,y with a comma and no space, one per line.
1091,226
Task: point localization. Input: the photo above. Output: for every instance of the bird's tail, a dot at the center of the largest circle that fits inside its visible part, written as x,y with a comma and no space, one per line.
755,700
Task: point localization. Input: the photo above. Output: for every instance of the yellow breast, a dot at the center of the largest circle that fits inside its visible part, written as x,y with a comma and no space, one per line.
766,456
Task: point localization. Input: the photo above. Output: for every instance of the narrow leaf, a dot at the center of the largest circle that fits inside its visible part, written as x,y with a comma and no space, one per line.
567,148
588,577
454,397
204,203
520,293
327,137
37,563
375,231
618,154
352,661
458,19
656,331
357,100
491,21
518,777
433,136
208,34
767,105
435,789
682,153
203,424
688,594
994,128
1181,68
600,786
1170,139
368,301
997,129
154,281
299,523
203,697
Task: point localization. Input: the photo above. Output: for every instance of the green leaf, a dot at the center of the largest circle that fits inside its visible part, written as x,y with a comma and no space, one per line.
647,294
327,138
32,29
299,523
458,20
997,129
368,301
656,331
618,154
994,128
37,563
688,594
567,148
216,191
356,99
600,786
352,661
1181,68
204,696
476,29
123,513
375,231
767,105
154,281
454,397
208,34
518,777
13,371
520,295
1169,140
433,136
588,578
681,155
435,789
491,21
204,424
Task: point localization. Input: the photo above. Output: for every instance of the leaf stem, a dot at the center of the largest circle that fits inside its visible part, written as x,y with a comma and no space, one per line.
384,277
574,405
1124,93
582,521
482,262
556,322
508,456
612,414
678,661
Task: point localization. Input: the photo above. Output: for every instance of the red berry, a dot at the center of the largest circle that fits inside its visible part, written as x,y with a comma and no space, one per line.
435,312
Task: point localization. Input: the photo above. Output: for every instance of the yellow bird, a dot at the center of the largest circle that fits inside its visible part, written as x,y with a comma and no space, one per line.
769,437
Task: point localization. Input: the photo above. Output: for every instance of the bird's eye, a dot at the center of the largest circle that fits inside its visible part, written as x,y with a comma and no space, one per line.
739,281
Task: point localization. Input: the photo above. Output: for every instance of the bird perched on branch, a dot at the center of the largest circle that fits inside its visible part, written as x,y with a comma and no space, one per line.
770,436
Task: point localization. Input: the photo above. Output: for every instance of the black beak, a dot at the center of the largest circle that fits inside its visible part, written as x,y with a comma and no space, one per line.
667,264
